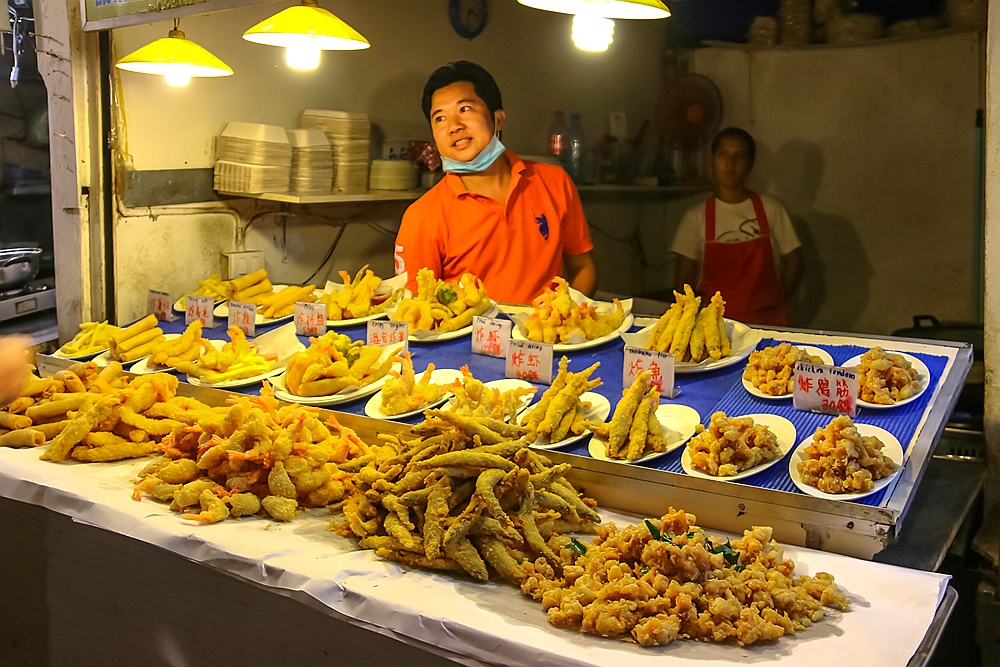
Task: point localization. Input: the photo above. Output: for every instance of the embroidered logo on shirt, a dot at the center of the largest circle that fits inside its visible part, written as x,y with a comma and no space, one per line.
747,231
543,226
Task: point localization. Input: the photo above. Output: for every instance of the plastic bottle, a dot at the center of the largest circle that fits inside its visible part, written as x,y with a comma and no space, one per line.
557,142
576,148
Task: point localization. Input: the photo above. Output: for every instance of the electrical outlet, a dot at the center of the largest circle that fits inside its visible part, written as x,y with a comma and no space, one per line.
236,264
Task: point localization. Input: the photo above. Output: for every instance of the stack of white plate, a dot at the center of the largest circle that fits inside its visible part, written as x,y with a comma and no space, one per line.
252,158
348,134
312,162
394,175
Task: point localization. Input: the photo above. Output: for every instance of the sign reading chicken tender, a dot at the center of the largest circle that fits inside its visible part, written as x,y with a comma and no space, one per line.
825,389
529,361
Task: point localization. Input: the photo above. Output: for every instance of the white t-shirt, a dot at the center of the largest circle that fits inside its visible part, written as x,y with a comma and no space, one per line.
735,223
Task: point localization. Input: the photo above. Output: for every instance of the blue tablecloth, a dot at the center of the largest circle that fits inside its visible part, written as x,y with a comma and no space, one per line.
705,392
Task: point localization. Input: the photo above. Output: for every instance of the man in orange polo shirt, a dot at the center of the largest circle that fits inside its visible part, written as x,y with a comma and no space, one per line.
513,223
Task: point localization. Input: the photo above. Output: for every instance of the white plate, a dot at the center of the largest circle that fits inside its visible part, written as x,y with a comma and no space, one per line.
143,367
179,304
350,394
743,341
598,411
506,384
626,324
431,337
278,369
80,357
813,351
373,408
678,418
891,448
222,310
923,375
783,430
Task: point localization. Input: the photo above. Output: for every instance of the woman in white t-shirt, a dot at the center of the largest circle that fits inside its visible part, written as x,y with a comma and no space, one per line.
738,242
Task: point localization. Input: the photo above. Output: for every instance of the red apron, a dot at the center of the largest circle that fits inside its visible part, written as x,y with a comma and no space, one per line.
743,272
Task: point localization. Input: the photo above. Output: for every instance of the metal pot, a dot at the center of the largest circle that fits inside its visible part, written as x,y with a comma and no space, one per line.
18,266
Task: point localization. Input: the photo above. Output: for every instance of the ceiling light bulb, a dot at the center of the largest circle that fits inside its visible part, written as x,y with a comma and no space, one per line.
302,56
177,78
592,32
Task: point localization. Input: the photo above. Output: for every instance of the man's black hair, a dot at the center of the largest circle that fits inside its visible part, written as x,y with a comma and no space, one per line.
481,80
737,133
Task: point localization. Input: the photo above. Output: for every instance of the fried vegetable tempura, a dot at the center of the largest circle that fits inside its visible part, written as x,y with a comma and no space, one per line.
474,399
634,429
772,370
403,393
334,363
556,318
731,445
443,306
841,460
359,298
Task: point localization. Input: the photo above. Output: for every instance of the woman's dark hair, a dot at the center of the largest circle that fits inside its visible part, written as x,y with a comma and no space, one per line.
481,80
737,133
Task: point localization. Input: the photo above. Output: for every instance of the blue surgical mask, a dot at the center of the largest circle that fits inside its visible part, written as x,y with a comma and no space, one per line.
481,162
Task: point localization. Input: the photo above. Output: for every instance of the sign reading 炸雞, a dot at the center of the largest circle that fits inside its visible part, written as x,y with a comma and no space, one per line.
529,361
490,336
660,364
825,389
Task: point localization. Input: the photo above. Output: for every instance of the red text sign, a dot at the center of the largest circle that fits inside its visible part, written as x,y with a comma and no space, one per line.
199,308
386,332
243,316
826,389
660,364
159,304
310,318
490,336
529,361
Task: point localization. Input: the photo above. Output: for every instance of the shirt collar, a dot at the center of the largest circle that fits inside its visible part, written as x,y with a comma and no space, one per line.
517,167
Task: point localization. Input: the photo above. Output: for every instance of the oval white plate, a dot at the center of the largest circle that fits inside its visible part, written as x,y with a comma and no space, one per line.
743,341
626,324
506,384
222,311
813,351
923,375
599,409
143,367
676,417
783,430
278,369
373,408
81,357
179,304
431,337
351,394
891,448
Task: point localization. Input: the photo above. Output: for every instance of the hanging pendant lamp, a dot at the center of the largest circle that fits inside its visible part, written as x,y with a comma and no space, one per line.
305,31
176,58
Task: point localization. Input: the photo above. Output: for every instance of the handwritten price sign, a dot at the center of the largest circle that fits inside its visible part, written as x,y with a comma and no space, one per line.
200,308
243,316
386,332
826,389
660,364
490,336
529,361
160,305
310,318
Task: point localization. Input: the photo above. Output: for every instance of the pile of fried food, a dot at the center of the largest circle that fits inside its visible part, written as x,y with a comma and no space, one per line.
560,412
256,454
634,429
475,399
136,341
772,370
91,415
255,288
443,306
841,460
690,334
731,445
462,494
332,363
237,360
214,286
667,579
886,378
555,317
185,349
93,337
359,298
403,393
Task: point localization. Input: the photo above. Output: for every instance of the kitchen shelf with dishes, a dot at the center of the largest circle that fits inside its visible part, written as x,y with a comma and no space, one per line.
332,198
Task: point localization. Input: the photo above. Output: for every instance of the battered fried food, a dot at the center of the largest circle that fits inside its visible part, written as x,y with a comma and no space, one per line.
474,399
731,445
236,360
667,579
841,460
334,363
443,306
93,338
403,393
886,378
359,298
555,318
213,286
772,370
560,411
692,333
187,348
136,341
634,429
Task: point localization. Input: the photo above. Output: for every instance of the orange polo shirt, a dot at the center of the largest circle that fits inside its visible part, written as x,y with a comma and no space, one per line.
516,249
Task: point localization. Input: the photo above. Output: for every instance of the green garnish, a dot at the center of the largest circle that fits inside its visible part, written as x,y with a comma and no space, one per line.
577,546
740,567
732,557
447,295
653,530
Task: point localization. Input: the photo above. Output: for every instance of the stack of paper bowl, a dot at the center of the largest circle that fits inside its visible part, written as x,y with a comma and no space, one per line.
393,175
252,158
349,135
312,162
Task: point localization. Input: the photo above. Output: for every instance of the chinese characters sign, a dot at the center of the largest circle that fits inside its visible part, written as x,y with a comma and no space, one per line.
826,389
490,336
310,318
159,305
200,308
660,364
529,361
243,316
387,332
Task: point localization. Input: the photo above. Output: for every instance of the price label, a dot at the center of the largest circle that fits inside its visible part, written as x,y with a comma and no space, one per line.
529,361
160,305
490,336
310,318
660,364
200,308
243,316
826,389
386,332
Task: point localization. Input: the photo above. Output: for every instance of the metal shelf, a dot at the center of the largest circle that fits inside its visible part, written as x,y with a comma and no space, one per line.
333,198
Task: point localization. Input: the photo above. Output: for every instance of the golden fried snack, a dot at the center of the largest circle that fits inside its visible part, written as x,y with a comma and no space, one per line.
731,445
23,438
236,360
243,282
555,318
332,363
145,324
772,370
92,338
886,378
253,292
560,407
442,306
359,298
841,460
634,429
213,286
285,300
403,393
690,334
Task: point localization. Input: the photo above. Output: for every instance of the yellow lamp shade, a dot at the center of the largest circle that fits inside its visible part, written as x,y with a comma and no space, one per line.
176,58
611,9
306,27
